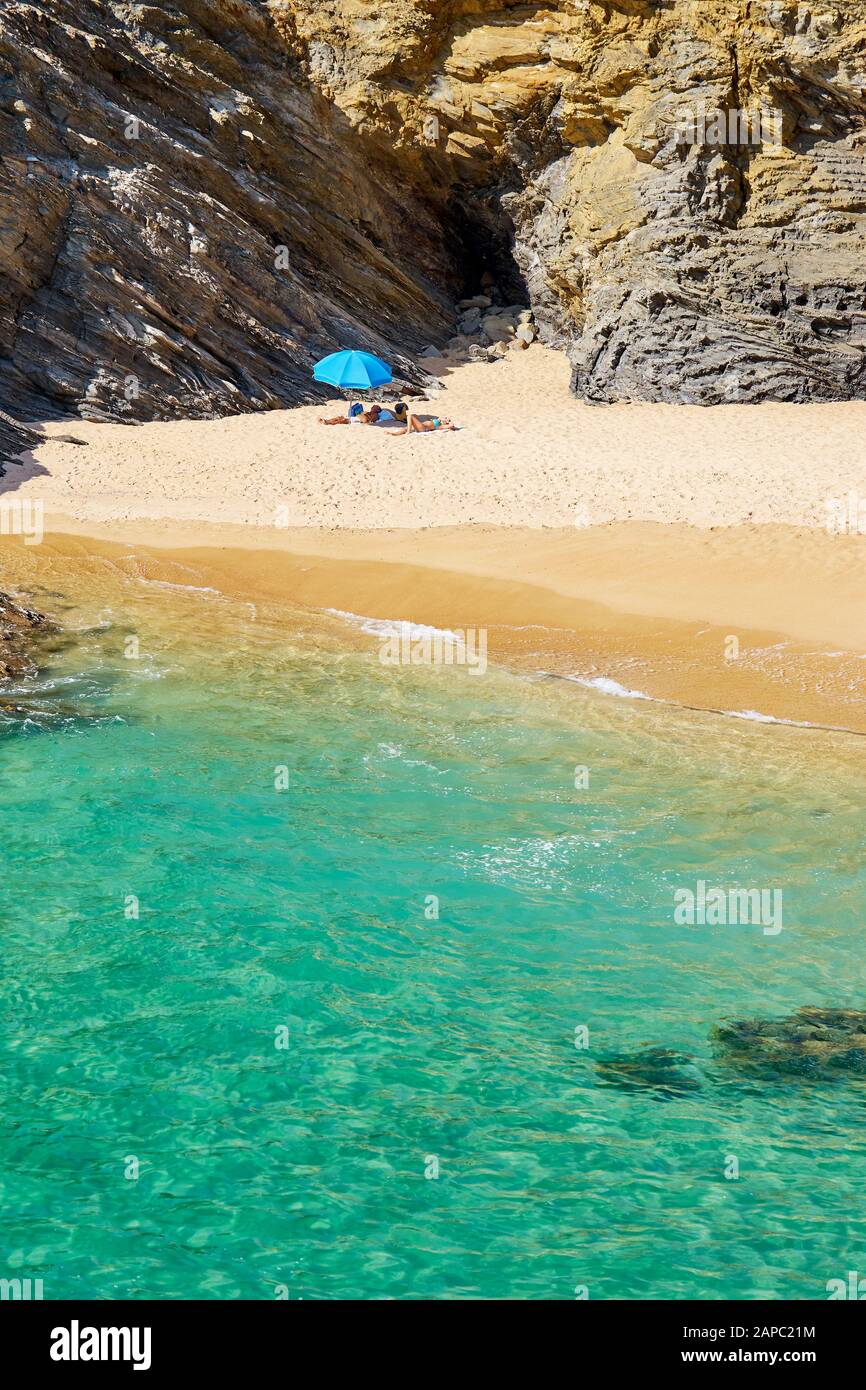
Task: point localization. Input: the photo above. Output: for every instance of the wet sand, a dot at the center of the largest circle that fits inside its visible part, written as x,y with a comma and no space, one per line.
753,621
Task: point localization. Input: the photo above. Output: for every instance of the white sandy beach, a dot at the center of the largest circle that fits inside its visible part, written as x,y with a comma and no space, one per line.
630,542
529,454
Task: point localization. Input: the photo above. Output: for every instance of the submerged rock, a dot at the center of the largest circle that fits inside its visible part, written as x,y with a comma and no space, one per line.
652,1068
812,1044
822,1043
25,636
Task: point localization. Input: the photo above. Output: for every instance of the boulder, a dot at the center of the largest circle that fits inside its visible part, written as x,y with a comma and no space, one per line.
657,1069
824,1044
18,627
498,327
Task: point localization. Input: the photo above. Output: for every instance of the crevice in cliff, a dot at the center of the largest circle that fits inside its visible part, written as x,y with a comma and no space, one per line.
484,243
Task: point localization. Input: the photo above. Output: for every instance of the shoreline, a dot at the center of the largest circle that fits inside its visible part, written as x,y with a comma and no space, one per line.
652,609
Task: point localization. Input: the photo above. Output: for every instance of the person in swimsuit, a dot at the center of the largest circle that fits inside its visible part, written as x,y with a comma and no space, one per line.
357,416
376,415
383,414
415,425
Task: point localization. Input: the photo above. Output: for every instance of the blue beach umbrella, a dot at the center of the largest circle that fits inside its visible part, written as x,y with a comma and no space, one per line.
352,371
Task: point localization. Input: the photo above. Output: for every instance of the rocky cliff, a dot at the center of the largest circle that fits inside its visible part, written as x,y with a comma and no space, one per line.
199,199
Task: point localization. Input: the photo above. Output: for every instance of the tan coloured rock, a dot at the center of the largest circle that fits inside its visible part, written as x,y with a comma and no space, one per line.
666,267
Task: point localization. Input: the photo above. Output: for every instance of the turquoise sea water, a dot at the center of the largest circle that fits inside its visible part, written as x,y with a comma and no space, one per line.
266,1171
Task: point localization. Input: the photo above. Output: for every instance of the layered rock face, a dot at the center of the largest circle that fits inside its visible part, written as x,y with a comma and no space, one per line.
186,223
199,199
677,256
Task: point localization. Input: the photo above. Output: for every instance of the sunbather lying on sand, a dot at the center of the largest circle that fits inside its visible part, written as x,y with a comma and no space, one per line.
416,425
357,416
376,415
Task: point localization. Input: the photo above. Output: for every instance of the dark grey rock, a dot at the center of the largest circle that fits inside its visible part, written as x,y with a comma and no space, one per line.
823,1044
19,626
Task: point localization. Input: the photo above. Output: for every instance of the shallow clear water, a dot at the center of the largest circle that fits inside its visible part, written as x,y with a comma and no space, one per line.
266,1169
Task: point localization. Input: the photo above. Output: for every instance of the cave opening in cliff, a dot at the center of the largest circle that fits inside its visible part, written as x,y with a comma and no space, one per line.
484,238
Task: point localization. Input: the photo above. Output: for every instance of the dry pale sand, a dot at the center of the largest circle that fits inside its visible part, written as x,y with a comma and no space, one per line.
529,454
628,543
